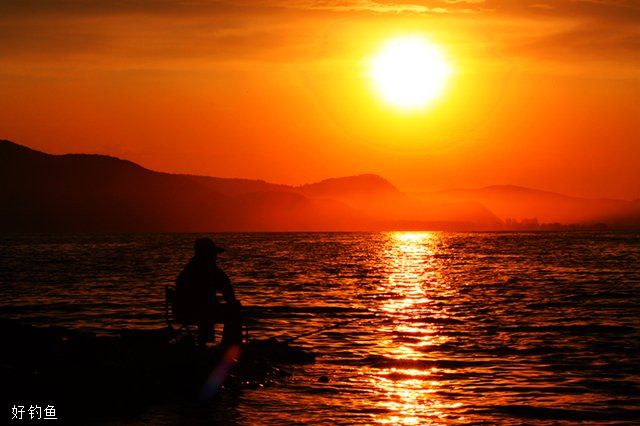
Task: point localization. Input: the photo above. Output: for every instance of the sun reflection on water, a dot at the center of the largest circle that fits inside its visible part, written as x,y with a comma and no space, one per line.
409,395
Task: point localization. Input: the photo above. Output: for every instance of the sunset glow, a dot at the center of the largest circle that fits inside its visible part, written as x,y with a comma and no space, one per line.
429,95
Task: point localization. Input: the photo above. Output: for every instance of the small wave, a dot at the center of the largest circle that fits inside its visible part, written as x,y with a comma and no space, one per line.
435,320
570,329
545,413
47,307
380,361
304,309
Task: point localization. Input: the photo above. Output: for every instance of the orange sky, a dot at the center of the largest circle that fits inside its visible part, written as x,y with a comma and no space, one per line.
544,94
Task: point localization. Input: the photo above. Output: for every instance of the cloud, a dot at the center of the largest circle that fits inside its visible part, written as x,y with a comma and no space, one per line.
583,42
595,30
390,7
170,31
603,10
198,7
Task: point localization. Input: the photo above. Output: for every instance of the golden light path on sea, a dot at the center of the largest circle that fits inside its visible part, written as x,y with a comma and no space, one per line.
408,395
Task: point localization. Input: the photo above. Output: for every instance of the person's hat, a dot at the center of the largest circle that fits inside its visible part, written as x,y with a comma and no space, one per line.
206,245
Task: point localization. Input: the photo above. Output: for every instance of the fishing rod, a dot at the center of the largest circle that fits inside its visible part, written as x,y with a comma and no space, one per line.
329,327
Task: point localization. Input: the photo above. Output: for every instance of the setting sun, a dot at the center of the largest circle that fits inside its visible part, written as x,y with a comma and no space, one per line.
409,72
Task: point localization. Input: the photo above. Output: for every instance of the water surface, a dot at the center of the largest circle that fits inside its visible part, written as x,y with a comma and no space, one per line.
430,328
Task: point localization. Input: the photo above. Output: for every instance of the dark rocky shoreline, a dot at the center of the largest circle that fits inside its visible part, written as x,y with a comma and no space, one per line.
89,378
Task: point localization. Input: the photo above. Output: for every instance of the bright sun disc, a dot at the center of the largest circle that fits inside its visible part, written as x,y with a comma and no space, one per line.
409,72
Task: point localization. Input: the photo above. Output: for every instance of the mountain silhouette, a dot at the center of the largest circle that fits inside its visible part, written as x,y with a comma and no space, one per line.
41,192
358,187
508,201
78,192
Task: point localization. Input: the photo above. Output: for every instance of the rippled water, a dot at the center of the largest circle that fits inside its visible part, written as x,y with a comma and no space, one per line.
430,328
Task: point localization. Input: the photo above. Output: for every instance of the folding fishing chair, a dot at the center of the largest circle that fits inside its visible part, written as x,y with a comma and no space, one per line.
181,324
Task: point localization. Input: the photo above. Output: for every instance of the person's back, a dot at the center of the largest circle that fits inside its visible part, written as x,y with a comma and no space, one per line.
196,299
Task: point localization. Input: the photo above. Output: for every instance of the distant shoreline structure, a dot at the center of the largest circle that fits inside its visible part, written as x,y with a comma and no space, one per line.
97,193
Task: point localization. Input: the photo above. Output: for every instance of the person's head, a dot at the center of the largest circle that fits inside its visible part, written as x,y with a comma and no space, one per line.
206,248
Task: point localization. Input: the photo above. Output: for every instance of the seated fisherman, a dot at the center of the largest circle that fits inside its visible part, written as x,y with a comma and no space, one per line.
196,300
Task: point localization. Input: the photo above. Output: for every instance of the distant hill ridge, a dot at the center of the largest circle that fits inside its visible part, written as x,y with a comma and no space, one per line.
98,193
509,201
361,184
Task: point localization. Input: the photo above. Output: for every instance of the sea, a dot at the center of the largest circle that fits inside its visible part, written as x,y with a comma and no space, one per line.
408,328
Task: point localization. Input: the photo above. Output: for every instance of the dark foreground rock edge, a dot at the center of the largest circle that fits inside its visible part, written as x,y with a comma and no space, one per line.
90,378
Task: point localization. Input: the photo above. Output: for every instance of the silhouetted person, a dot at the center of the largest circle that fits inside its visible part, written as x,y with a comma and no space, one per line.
196,295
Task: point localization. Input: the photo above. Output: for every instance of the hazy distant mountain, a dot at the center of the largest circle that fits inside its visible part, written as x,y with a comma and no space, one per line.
514,202
362,187
81,192
42,192
92,193
627,217
375,194
234,187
